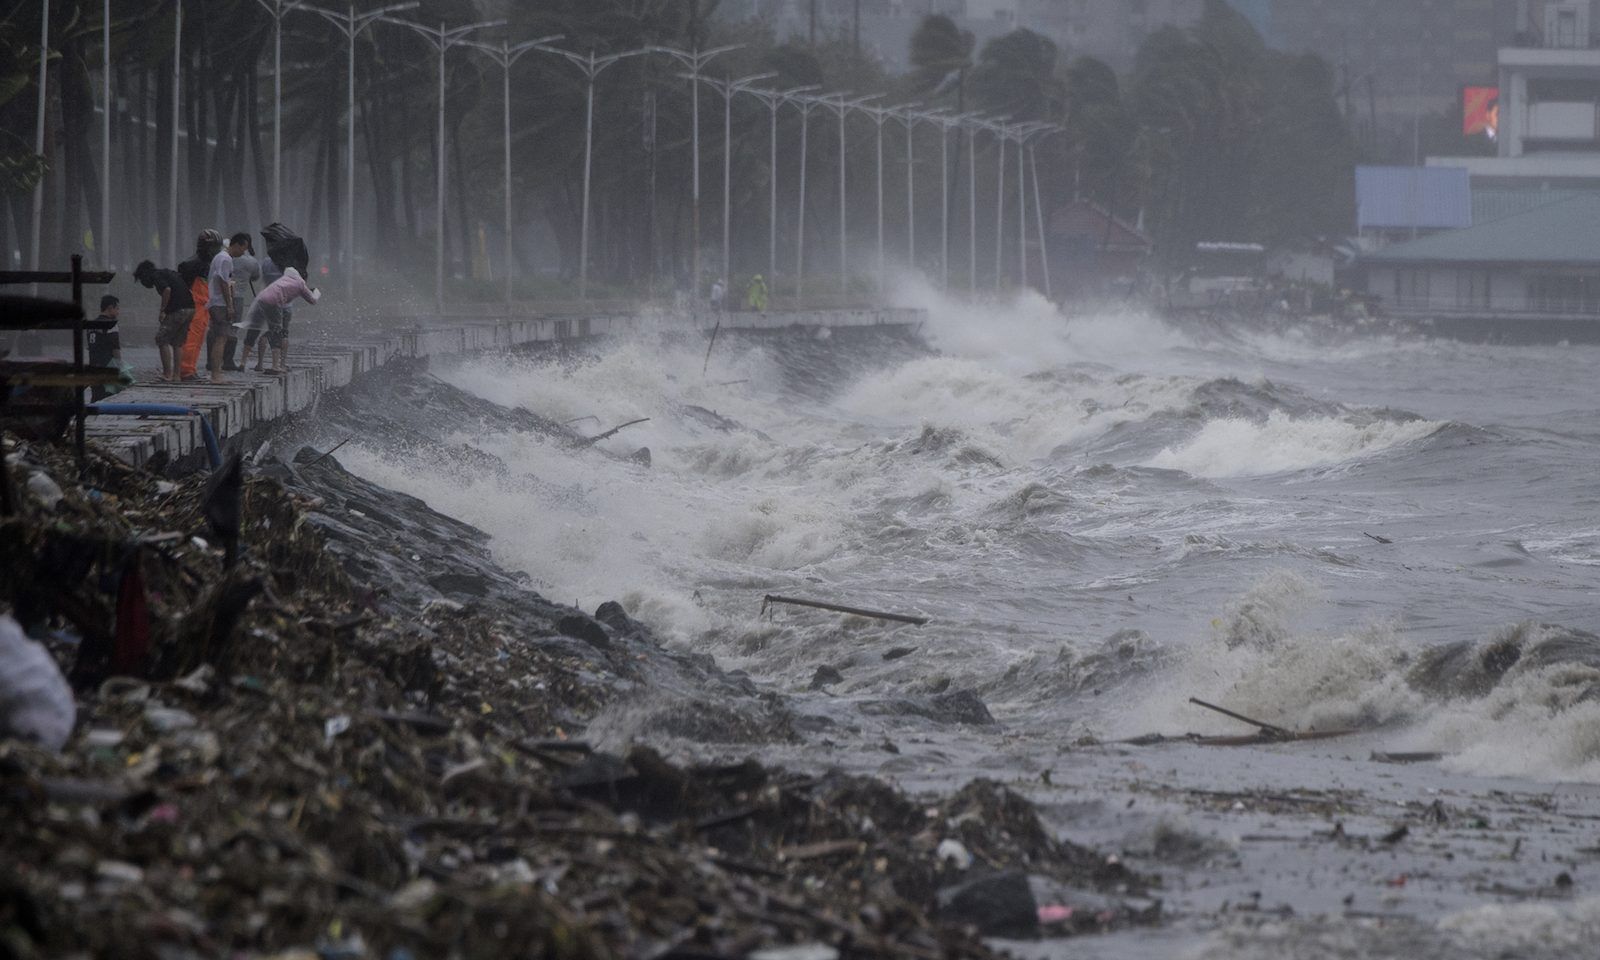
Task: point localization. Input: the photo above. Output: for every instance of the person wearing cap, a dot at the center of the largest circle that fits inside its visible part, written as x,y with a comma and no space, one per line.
268,314
221,305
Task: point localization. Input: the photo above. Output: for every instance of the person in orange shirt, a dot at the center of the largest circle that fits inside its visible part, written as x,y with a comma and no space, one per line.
194,273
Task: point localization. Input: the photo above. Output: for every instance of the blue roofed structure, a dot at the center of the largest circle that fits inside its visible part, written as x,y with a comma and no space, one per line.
1405,200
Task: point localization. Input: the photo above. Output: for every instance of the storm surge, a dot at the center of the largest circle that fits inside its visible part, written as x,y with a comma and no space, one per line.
1083,505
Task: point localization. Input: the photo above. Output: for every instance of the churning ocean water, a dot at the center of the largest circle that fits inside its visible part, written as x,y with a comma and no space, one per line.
1103,515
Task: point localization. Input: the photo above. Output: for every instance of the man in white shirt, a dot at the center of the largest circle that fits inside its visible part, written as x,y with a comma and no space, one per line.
219,280
246,275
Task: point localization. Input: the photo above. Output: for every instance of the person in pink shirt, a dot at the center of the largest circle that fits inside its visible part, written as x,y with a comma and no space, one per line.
267,315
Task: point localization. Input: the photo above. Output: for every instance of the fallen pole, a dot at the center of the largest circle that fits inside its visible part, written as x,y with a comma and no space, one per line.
1266,727
614,431
770,599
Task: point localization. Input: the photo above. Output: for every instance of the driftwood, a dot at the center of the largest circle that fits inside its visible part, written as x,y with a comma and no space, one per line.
1372,536
1263,727
1419,757
1269,733
1260,739
591,441
771,599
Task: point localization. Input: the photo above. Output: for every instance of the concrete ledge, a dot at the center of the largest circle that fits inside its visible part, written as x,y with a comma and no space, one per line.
248,401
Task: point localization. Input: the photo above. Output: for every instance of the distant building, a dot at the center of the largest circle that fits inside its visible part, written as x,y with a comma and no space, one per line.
1549,105
1093,252
1540,263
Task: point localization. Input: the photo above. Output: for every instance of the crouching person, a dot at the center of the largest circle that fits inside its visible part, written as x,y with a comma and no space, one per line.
176,313
269,316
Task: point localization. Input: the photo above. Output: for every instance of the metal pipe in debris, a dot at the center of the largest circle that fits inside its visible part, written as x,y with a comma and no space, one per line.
840,608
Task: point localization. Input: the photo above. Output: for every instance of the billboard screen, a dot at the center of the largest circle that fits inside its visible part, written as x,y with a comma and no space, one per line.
1480,111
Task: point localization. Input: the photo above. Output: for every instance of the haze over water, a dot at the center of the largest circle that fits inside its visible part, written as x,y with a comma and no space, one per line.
1103,515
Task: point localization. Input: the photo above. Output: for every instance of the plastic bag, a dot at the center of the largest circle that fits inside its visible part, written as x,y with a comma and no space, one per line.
124,382
35,702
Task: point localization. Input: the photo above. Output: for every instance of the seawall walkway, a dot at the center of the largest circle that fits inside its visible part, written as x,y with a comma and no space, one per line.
249,401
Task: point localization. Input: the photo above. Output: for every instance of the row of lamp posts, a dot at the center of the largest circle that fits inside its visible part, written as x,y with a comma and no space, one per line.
352,24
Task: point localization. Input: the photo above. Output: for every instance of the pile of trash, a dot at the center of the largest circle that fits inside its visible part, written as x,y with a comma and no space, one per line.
261,754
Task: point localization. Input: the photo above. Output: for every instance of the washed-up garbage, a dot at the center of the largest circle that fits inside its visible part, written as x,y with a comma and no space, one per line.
36,704
338,767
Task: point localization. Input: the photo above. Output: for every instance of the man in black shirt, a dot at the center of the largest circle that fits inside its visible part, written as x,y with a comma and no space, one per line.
177,310
105,346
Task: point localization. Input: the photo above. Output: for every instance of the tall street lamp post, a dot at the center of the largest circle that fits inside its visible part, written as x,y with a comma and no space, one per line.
442,39
506,55
946,123
277,10
38,135
774,99
352,25
591,67
880,116
1001,132
840,104
805,105
694,61
909,118
1038,208
971,130
1022,133
728,88
172,248
104,239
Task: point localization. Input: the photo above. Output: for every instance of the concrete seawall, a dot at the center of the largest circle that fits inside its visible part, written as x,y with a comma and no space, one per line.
248,402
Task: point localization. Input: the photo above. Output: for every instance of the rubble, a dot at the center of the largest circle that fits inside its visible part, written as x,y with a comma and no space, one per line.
364,739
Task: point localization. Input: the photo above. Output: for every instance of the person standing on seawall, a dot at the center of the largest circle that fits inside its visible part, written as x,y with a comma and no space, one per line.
246,274
719,293
270,312
194,273
756,299
261,317
177,312
220,305
105,346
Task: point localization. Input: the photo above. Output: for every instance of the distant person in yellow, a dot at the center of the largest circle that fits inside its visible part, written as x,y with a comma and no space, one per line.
756,298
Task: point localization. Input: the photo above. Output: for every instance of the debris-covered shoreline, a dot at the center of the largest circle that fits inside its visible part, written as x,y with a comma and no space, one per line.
366,739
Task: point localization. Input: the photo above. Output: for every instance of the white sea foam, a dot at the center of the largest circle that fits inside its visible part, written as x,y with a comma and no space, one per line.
1024,333
1237,447
970,484
1255,660
1538,721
